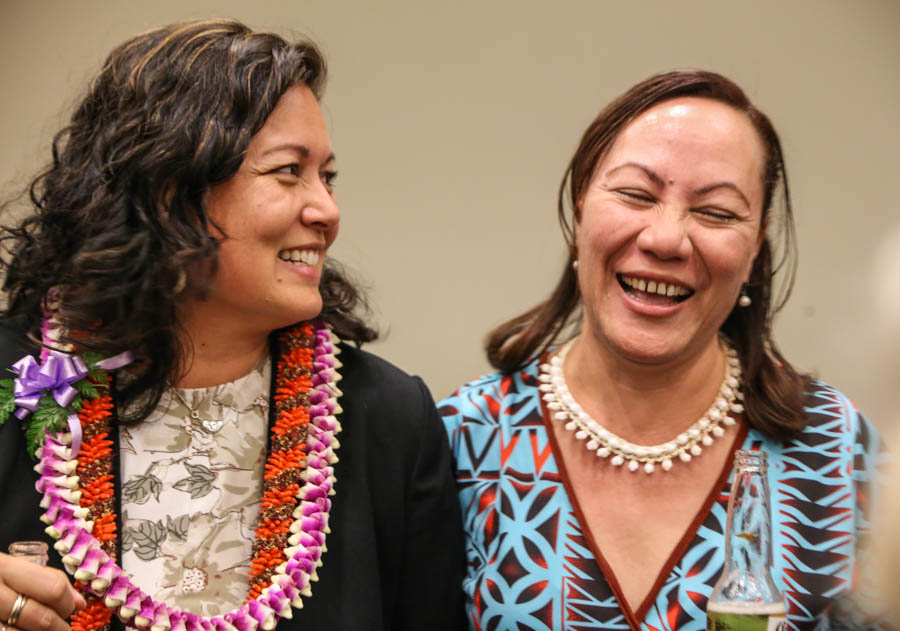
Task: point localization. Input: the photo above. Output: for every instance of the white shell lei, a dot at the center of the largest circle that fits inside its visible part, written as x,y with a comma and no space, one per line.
90,564
563,407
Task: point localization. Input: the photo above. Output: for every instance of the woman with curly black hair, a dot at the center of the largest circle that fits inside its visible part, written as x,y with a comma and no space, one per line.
184,409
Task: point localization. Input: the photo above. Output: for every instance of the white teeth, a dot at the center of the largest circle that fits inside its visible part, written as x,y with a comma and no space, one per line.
655,287
302,257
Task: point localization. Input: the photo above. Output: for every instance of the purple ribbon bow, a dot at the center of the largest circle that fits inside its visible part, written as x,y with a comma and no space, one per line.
56,375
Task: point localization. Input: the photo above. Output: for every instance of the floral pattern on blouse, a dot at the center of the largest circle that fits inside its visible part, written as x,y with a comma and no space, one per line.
190,493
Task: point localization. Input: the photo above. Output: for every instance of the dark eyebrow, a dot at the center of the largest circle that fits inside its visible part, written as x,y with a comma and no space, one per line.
303,150
653,175
729,185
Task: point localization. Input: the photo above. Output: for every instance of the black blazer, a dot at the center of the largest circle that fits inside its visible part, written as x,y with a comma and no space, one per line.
395,557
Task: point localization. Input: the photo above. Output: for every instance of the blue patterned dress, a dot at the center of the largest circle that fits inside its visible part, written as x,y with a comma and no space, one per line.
530,566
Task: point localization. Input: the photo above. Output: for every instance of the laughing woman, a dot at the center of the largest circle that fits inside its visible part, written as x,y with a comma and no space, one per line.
195,369
593,467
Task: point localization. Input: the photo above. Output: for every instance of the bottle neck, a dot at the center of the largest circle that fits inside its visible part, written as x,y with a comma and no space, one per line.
748,546
746,579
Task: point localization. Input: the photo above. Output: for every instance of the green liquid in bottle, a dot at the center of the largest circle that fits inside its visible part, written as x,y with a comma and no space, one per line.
746,617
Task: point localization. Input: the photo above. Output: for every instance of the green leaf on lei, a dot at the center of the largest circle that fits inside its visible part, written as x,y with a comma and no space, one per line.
50,416
50,413
87,390
90,360
7,400
7,407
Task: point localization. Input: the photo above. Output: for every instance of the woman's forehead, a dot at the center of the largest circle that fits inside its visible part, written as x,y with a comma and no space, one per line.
694,129
703,118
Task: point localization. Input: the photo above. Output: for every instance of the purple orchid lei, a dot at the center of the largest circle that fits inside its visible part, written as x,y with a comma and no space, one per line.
84,558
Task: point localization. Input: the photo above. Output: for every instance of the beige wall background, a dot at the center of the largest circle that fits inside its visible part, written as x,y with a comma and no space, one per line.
453,122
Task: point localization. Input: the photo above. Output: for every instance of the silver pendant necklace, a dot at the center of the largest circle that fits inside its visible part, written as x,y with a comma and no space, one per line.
211,425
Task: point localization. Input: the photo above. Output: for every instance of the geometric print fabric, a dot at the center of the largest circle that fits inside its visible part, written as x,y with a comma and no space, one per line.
530,566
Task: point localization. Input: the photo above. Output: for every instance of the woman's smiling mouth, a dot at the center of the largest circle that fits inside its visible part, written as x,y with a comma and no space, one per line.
653,292
301,256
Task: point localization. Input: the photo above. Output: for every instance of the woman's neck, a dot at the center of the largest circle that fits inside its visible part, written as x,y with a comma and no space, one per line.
643,403
219,351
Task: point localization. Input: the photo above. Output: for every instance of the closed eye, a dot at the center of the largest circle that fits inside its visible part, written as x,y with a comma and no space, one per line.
636,195
717,214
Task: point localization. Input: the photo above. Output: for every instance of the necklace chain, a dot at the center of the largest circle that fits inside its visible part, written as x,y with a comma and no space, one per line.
688,444
211,425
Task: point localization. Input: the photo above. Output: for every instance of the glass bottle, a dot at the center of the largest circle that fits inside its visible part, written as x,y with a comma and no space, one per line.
745,596
34,551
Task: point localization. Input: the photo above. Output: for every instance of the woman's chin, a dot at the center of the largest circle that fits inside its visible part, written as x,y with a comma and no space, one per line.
649,354
293,313
307,312
649,348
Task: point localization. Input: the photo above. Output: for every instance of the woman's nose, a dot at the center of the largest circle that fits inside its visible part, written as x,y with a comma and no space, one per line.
665,235
321,210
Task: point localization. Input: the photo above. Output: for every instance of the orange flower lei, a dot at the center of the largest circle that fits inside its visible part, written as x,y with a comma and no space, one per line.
282,479
95,472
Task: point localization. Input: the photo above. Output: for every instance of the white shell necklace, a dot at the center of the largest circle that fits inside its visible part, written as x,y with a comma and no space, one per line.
563,407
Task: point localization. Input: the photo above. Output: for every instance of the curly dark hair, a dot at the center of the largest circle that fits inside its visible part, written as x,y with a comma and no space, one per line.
774,390
119,213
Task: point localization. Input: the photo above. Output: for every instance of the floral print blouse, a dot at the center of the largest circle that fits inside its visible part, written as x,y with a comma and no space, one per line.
190,493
